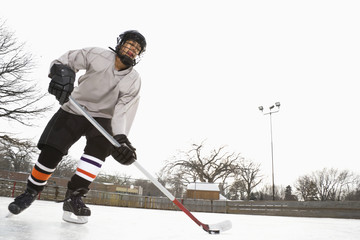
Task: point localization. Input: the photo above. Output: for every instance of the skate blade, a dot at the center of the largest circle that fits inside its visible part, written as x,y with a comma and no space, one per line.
9,215
72,218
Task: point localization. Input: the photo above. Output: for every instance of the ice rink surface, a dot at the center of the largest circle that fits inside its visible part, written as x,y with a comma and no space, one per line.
42,221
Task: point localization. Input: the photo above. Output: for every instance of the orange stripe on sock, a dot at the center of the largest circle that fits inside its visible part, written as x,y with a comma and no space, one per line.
86,173
39,175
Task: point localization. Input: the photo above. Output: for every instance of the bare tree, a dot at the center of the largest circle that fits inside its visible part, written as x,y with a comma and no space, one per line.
331,183
215,167
354,195
327,184
249,174
174,183
236,191
306,188
117,178
18,95
16,155
266,193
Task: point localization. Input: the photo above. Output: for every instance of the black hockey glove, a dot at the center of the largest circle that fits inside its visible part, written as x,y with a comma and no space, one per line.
125,154
62,82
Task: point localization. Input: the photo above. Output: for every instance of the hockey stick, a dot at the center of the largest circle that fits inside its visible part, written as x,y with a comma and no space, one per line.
210,228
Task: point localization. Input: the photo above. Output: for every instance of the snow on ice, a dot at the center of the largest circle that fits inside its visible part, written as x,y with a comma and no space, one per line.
42,221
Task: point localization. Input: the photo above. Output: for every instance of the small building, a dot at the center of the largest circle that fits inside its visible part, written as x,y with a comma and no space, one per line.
202,190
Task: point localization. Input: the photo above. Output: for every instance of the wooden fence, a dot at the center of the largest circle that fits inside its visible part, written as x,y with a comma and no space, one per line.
330,209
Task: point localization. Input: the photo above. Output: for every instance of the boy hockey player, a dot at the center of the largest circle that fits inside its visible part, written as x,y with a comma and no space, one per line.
109,91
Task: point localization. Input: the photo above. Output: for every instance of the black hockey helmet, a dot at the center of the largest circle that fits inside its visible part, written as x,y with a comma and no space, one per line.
132,35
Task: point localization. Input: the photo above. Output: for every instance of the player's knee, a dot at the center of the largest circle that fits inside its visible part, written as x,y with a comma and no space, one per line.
98,147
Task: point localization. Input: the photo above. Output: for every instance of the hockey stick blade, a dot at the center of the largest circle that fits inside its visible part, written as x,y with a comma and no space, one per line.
218,227
210,228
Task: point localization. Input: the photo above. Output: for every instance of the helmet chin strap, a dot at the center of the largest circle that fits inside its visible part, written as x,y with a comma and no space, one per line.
126,60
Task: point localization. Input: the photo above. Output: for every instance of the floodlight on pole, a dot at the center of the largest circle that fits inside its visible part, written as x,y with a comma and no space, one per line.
271,111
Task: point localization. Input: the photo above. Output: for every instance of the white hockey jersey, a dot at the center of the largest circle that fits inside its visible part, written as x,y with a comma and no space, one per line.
102,90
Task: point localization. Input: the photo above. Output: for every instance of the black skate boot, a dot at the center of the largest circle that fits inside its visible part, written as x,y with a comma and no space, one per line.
23,201
73,204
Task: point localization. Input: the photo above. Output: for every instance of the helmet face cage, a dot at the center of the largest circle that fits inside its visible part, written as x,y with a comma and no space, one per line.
134,36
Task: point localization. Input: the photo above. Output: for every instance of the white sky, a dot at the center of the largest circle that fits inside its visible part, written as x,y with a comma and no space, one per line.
210,64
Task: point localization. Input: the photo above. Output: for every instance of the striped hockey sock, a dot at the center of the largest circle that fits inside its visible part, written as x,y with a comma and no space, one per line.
88,167
39,175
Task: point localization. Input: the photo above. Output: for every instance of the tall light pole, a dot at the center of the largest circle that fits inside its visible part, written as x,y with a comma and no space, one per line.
270,112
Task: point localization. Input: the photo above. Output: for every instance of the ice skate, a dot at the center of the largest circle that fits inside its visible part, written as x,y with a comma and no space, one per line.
75,210
23,201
